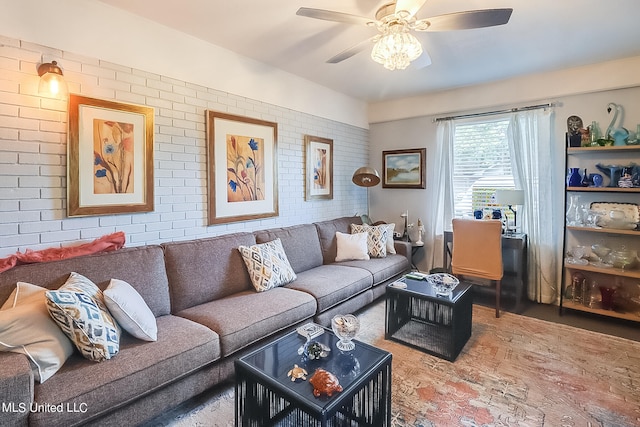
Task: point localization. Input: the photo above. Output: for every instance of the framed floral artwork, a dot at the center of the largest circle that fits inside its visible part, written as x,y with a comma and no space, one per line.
319,168
404,168
110,157
242,168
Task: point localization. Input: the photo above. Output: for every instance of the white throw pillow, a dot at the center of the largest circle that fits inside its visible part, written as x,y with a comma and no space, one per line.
130,311
376,238
351,246
268,265
78,309
27,328
391,248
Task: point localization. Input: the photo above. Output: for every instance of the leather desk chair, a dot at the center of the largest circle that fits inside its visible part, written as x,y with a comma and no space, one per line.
477,252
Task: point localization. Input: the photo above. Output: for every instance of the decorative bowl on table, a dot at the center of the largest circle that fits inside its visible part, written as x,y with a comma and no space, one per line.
443,283
346,327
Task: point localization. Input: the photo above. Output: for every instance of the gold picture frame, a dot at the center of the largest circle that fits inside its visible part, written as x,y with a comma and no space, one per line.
242,167
404,168
319,168
109,158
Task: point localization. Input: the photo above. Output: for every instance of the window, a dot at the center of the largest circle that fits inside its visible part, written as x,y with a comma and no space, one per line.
481,164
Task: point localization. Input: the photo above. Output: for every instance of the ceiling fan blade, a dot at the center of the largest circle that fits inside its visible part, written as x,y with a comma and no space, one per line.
465,20
411,6
328,15
423,61
348,53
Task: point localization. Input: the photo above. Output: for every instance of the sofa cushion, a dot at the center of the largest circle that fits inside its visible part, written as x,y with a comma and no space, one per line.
300,243
267,265
143,267
79,310
27,328
382,269
332,284
130,311
140,367
377,236
351,246
16,383
327,234
247,317
204,270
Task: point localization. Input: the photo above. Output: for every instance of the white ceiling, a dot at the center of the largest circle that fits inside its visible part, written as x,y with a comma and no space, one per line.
542,35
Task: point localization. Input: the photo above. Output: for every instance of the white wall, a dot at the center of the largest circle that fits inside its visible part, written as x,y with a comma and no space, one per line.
551,86
33,149
97,30
418,132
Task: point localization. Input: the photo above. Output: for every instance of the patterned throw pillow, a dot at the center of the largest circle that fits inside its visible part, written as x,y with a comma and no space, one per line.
376,238
267,265
391,249
79,310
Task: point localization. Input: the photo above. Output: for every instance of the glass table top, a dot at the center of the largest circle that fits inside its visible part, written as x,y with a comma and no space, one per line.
272,362
423,288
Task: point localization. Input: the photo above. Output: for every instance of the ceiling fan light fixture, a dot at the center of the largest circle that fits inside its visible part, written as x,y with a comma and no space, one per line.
396,48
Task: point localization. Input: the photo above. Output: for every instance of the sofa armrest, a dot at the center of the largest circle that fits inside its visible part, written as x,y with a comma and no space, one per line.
16,388
403,248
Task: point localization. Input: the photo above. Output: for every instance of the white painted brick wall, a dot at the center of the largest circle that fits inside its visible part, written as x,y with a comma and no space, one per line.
33,145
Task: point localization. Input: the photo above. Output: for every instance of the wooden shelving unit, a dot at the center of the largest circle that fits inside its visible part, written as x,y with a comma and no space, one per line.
579,157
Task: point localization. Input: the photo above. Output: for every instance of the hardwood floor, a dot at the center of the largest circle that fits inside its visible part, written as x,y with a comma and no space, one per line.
592,322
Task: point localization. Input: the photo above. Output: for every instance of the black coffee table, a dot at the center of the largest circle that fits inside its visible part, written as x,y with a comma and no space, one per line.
266,396
438,325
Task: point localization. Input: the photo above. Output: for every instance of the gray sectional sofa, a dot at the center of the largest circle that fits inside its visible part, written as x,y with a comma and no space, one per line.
207,312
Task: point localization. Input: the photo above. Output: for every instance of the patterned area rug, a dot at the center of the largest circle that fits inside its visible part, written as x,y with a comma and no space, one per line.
514,371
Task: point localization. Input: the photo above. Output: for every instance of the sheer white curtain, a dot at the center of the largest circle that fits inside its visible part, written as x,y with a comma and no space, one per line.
441,206
532,153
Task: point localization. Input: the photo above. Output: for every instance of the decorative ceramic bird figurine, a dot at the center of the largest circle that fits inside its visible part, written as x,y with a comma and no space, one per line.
618,135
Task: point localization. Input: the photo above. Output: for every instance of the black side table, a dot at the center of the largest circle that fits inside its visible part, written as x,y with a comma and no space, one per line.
266,396
438,325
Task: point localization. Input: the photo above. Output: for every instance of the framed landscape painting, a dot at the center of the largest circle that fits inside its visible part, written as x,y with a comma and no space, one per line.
319,169
404,168
242,168
110,157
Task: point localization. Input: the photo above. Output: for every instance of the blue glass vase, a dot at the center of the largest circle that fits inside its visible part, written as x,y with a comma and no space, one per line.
573,178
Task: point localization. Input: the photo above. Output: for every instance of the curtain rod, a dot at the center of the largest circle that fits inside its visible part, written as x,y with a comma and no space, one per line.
491,113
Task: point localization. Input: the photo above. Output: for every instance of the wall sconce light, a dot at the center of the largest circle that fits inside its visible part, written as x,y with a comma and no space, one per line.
52,82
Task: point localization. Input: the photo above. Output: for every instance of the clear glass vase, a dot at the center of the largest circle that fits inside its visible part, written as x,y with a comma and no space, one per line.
575,211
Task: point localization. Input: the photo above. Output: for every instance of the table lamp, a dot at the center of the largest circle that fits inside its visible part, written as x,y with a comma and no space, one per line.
510,197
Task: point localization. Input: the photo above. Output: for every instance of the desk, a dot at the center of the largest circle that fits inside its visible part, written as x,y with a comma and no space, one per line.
514,260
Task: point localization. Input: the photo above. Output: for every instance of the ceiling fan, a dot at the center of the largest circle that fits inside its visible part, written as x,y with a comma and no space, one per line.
395,47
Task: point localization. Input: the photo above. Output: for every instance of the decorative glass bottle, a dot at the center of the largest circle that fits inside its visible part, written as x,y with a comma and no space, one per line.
573,177
575,213
594,133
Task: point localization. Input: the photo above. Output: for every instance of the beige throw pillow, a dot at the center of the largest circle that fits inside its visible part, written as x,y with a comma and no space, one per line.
27,328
